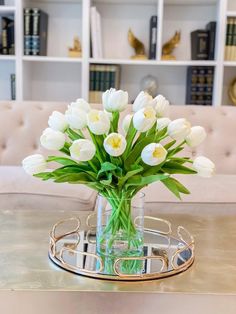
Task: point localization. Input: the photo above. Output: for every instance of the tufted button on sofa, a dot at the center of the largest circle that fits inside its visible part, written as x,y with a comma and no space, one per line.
21,125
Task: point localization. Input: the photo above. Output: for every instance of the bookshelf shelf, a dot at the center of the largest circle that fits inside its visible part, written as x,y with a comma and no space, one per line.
51,59
7,9
230,63
231,13
56,77
7,58
154,62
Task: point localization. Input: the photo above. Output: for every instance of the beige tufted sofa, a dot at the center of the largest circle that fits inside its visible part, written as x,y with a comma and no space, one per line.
21,125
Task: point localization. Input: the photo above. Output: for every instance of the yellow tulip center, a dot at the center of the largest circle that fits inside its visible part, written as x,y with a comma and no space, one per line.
148,113
114,142
158,152
94,117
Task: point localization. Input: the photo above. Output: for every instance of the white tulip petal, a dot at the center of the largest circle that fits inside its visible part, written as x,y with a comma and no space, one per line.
80,104
144,119
143,100
162,106
57,121
179,129
162,123
52,140
115,144
204,167
196,136
34,164
114,100
153,154
82,150
98,122
126,122
76,118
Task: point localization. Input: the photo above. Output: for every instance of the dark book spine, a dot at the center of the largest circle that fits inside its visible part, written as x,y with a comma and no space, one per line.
190,85
233,55
153,38
43,33
35,32
199,45
211,27
11,37
39,32
4,36
27,31
13,87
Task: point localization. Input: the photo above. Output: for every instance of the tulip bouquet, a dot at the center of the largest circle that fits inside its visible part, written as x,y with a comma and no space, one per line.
119,159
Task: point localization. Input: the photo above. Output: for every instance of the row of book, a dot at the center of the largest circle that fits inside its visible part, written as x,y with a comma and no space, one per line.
35,32
7,39
203,42
199,85
101,78
230,43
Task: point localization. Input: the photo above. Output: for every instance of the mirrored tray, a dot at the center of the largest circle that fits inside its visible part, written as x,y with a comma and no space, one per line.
164,253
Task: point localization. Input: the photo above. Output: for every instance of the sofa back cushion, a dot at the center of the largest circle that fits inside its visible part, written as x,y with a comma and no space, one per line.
22,123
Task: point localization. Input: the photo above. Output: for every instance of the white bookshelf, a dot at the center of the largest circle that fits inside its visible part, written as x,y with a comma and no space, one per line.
56,77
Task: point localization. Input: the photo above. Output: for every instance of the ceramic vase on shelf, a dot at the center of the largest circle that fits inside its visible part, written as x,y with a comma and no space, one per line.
120,233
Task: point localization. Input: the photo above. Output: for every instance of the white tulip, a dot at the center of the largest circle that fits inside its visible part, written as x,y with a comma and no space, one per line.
57,121
162,106
115,144
114,100
204,166
126,122
196,136
80,104
179,129
52,140
144,119
82,150
162,123
98,122
34,164
153,154
76,118
143,100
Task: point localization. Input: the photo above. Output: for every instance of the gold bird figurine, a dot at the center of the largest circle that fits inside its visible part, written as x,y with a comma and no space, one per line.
169,46
137,45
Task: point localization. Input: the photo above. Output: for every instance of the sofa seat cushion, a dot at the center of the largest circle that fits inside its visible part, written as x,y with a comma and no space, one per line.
218,189
17,189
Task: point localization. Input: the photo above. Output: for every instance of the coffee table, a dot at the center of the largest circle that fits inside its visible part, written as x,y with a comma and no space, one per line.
31,283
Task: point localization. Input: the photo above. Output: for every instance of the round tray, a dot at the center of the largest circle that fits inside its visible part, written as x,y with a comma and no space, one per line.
164,253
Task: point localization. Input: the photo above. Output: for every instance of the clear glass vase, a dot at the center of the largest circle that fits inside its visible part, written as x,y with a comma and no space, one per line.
120,233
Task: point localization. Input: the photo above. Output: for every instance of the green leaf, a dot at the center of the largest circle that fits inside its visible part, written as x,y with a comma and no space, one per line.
62,160
170,144
44,175
181,188
106,166
74,169
160,134
174,151
181,160
129,139
136,169
82,178
107,181
174,167
73,135
142,181
136,151
171,185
